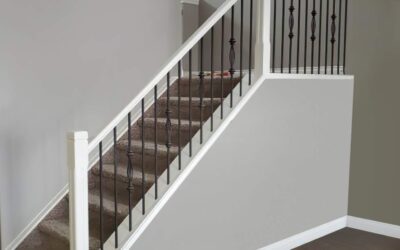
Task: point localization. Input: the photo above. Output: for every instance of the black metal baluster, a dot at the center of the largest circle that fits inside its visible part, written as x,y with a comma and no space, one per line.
115,188
129,170
241,46
101,194
201,89
298,37
291,35
283,34
326,37
313,37
339,36
212,80
306,38
333,32
274,39
319,35
168,130
345,36
190,103
250,39
232,42
143,176
179,115
155,143
222,64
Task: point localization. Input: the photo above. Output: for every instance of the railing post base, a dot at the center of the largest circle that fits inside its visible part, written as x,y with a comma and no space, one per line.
78,161
262,46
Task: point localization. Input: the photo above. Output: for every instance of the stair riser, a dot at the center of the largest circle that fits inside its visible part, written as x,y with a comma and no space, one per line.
162,136
137,160
185,114
195,90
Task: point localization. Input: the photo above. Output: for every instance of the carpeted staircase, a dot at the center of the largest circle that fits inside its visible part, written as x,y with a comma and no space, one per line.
53,231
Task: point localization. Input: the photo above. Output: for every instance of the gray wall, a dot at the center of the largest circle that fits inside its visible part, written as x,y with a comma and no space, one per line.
374,50
281,167
68,65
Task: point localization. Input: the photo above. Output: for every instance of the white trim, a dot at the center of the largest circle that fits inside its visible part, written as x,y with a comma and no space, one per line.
376,227
194,2
78,161
308,70
39,217
308,76
309,235
172,62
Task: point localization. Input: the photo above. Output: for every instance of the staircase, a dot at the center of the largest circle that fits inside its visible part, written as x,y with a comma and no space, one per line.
53,232
122,178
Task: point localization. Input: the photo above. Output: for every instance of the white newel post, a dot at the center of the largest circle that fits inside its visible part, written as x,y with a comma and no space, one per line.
262,46
78,161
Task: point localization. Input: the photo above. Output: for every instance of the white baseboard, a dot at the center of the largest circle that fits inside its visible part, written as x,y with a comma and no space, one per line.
42,214
309,235
366,225
376,227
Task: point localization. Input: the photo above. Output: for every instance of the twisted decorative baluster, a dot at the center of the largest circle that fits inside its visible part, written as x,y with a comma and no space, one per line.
313,37
291,35
232,42
168,130
333,32
129,170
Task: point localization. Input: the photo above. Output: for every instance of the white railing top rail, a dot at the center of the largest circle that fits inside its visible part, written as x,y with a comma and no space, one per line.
178,55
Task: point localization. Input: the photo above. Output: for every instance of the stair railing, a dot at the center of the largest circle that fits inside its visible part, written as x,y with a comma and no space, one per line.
82,155
309,36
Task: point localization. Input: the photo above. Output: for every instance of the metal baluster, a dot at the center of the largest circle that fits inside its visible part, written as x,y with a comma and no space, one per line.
232,42
129,170
212,80
155,143
333,32
250,39
313,37
190,103
345,36
326,37
298,36
115,188
274,39
179,115
339,34
241,46
306,38
319,35
201,89
291,35
168,130
143,176
283,34
222,64
101,194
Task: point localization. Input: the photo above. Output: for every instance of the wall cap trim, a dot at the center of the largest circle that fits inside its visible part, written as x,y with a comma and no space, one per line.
194,2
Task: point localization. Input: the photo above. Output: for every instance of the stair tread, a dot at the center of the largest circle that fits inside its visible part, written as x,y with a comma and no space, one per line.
60,230
108,205
149,121
194,99
149,146
108,172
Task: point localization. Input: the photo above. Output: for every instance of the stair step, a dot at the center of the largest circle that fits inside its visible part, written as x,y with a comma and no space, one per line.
59,229
148,147
108,172
185,124
185,101
108,206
